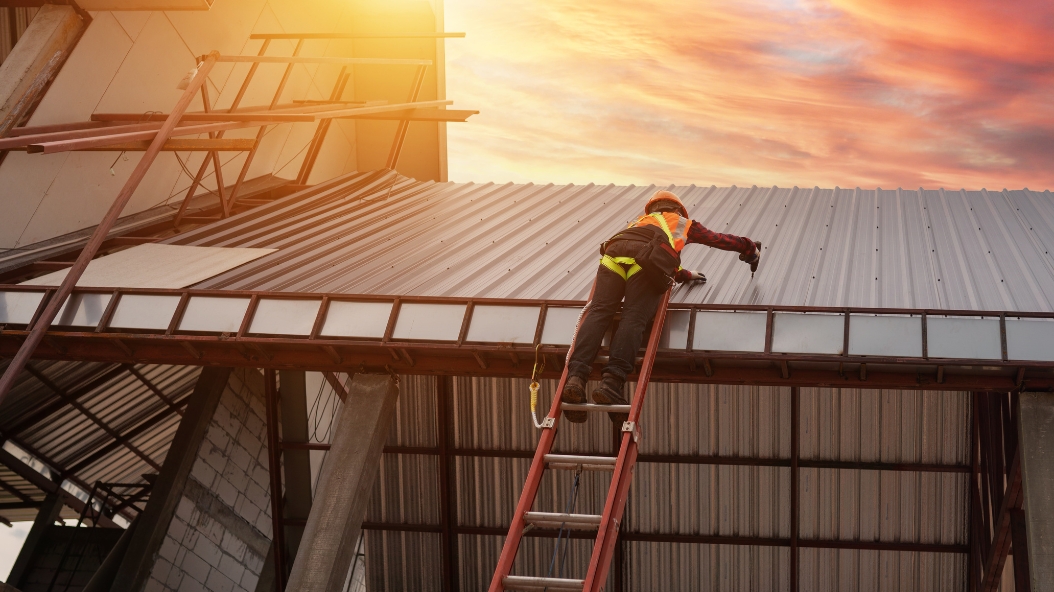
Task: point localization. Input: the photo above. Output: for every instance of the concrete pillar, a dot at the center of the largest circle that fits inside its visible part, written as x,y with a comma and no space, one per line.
297,463
46,516
168,489
1036,413
344,488
35,60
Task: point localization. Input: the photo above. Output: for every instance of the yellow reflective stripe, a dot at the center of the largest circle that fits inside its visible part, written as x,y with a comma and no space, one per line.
665,227
612,263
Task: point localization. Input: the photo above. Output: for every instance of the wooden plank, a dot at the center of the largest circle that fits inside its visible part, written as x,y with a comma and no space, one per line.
174,145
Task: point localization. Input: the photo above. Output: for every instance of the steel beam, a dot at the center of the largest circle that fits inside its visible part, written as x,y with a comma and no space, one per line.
440,359
263,129
404,125
15,492
274,465
123,441
134,432
154,389
269,36
100,141
64,401
337,387
447,480
296,465
453,358
696,539
795,511
44,320
43,483
694,459
295,59
1022,572
224,206
320,132
993,565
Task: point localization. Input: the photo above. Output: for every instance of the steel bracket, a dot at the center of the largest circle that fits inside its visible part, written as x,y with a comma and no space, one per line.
633,428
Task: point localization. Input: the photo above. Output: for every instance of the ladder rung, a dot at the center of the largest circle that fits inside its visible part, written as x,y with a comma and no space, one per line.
534,583
560,520
590,407
586,463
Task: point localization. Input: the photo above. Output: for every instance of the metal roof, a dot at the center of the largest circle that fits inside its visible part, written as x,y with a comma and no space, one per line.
89,422
379,233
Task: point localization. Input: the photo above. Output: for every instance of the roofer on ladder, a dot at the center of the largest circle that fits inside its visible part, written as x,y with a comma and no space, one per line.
639,264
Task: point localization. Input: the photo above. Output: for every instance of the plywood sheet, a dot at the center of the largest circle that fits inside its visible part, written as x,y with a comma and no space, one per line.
157,266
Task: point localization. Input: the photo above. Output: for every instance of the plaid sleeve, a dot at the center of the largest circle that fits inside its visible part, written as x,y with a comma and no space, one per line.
697,233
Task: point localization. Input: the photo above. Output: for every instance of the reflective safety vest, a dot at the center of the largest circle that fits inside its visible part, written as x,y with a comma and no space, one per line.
675,227
627,267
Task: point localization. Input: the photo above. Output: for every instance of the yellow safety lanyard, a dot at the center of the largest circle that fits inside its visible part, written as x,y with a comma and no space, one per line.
615,264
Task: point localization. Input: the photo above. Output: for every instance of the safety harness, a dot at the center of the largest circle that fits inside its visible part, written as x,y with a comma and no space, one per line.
615,264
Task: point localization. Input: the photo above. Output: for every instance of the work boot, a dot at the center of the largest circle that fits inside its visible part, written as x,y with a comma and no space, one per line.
574,392
610,393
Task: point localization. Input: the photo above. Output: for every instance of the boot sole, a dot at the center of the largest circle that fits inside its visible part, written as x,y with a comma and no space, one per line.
601,397
576,399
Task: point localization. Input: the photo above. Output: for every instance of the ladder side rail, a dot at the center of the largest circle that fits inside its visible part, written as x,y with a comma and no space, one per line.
600,560
534,478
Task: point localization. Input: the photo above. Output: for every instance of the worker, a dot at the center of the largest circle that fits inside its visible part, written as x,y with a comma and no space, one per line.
639,264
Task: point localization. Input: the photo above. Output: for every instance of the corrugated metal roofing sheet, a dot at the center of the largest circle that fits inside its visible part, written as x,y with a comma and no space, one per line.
378,233
61,435
737,421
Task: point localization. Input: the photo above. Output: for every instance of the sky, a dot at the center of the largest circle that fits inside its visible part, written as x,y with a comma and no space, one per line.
11,539
849,93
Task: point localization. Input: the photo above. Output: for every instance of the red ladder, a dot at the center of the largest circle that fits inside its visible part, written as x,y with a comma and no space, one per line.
607,525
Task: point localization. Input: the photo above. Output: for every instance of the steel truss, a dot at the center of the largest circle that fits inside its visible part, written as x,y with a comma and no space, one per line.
457,356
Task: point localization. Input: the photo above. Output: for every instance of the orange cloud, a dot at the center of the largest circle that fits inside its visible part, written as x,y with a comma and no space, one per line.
850,92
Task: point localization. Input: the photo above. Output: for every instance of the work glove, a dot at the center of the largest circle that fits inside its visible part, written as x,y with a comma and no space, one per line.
753,260
685,275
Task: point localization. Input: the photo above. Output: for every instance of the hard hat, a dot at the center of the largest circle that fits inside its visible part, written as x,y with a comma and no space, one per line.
663,195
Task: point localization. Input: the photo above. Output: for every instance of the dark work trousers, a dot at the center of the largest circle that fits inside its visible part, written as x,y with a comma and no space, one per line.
642,299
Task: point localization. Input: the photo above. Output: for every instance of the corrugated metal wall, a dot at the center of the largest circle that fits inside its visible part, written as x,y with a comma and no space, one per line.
836,424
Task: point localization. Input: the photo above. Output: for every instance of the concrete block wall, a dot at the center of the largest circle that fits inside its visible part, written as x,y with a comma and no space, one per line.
220,534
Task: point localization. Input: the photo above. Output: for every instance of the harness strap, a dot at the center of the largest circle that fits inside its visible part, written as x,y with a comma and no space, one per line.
665,227
615,264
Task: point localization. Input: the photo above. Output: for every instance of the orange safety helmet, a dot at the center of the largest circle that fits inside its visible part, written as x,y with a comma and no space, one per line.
667,196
